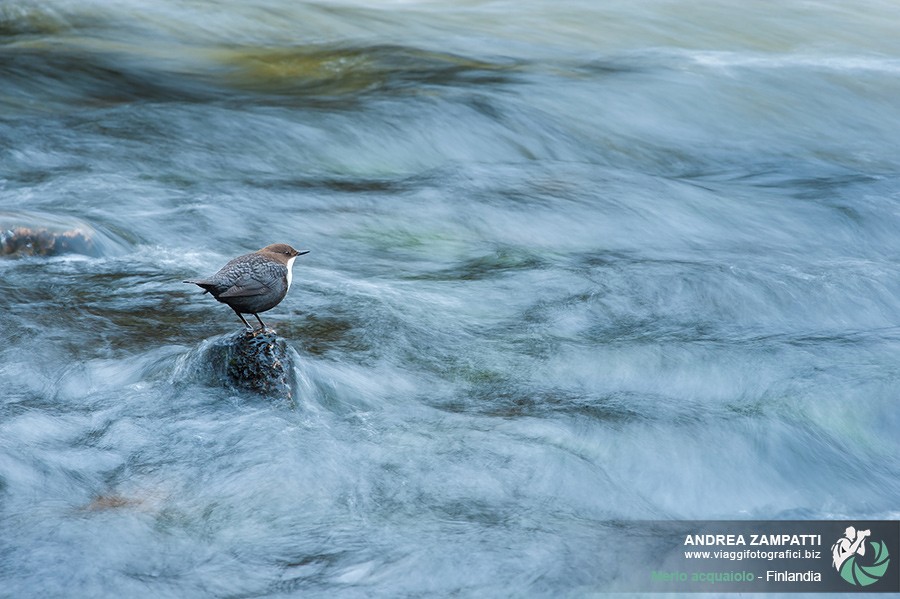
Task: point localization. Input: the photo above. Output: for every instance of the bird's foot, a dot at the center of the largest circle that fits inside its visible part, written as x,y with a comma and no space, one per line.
253,332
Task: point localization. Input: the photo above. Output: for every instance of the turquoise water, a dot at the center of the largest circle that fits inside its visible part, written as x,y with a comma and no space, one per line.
572,264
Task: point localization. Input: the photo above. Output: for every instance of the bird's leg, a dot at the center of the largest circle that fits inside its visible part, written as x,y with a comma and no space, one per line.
244,320
261,323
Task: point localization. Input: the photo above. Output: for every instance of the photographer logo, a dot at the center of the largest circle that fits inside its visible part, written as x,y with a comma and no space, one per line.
855,562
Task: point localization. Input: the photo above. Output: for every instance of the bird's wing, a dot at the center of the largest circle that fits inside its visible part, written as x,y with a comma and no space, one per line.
248,286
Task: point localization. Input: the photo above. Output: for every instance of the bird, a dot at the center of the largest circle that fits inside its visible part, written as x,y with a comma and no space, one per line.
254,282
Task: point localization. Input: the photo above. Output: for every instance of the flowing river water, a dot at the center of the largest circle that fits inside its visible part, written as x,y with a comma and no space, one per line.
573,264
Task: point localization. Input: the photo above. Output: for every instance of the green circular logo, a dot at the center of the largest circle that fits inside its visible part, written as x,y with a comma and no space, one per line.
858,575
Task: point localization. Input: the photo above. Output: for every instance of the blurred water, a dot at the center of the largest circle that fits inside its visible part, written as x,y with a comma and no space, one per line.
572,264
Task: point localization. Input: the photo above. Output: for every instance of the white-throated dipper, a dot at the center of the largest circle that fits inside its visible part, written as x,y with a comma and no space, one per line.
255,282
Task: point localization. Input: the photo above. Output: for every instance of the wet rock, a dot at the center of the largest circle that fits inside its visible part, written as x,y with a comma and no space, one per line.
25,241
257,361
28,233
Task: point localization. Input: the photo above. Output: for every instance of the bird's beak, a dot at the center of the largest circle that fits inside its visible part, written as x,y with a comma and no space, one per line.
301,252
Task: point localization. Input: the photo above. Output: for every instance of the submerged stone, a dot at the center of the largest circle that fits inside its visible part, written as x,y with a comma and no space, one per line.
110,502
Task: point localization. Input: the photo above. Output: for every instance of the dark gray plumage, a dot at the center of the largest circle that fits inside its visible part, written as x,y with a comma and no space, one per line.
255,282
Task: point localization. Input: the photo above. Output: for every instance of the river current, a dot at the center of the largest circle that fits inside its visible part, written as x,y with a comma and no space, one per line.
572,264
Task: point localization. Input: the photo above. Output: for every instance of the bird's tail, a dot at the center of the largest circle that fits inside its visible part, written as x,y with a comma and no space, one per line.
206,285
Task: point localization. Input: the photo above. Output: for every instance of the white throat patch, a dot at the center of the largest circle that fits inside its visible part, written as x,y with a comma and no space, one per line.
290,266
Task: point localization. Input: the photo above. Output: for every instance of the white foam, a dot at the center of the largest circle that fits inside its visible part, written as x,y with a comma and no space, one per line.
833,63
